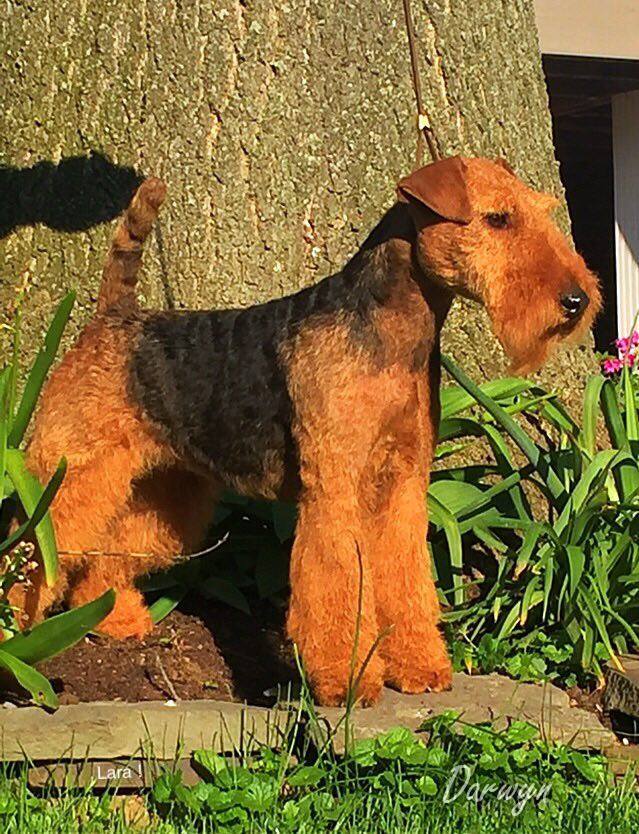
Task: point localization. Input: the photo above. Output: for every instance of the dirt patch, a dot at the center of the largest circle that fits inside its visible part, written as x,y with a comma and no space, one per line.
204,650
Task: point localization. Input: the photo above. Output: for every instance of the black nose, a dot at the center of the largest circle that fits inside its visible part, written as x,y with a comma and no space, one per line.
574,302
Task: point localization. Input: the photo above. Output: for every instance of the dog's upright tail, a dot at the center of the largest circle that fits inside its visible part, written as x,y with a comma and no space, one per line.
125,255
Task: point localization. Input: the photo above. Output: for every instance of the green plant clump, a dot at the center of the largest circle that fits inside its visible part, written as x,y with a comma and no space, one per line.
563,591
19,488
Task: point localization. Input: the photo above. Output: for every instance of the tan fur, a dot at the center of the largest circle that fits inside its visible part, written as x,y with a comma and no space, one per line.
365,420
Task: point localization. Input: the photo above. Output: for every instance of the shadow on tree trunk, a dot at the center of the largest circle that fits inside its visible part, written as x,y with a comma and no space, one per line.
72,195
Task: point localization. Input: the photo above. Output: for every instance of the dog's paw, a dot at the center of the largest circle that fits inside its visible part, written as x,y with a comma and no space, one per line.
129,617
429,679
333,691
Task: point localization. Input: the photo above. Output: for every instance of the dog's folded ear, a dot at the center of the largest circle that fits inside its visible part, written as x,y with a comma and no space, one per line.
441,187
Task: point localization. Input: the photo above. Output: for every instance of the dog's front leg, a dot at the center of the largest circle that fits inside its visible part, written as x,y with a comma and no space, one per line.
414,651
332,612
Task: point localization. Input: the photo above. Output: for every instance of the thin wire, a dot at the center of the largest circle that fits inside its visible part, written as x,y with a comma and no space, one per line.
423,124
181,557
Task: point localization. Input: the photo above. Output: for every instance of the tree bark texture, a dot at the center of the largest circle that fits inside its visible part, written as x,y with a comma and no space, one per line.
280,128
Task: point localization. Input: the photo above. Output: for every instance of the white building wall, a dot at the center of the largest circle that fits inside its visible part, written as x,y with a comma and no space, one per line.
625,138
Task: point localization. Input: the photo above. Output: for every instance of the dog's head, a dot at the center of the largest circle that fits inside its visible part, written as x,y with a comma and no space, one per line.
486,235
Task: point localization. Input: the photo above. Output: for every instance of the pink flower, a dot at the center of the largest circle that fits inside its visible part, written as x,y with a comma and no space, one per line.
612,366
627,355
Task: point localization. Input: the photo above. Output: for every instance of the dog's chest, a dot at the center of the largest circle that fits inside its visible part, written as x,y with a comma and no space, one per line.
214,384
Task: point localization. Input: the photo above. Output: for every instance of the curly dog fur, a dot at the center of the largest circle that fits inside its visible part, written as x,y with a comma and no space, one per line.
329,397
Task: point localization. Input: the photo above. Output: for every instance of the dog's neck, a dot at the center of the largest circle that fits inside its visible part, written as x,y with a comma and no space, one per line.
410,306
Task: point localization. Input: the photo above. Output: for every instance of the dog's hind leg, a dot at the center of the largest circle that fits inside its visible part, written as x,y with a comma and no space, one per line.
90,497
86,415
167,515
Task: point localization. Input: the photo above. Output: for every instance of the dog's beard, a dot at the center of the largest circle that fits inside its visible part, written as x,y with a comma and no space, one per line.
528,339
529,343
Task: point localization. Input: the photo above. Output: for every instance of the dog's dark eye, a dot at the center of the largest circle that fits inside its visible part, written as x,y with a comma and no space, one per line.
498,219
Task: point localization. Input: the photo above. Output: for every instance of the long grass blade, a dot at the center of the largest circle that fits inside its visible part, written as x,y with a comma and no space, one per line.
592,396
513,429
40,369
441,516
4,430
30,679
36,501
57,633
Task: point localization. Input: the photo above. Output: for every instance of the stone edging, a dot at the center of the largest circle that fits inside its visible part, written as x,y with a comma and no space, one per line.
117,731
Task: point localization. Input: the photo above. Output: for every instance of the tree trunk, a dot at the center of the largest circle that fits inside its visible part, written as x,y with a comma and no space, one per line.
280,128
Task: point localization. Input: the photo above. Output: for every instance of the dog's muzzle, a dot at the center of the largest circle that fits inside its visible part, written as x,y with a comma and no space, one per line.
574,303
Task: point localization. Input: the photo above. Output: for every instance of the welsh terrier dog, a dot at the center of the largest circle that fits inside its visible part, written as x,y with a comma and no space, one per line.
328,397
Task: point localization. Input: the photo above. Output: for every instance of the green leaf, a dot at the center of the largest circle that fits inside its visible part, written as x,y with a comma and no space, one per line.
25,530
472,515
29,678
455,495
592,394
226,592
549,572
165,786
632,421
427,785
556,414
364,752
506,468
530,594
441,516
585,766
531,537
520,732
305,777
453,428
626,474
395,743
598,620
491,541
163,606
57,633
40,369
593,476
36,501
612,415
576,565
512,618
455,399
513,429
4,430
210,761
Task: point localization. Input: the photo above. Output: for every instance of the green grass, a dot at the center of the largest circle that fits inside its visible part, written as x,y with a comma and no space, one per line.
600,810
393,783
